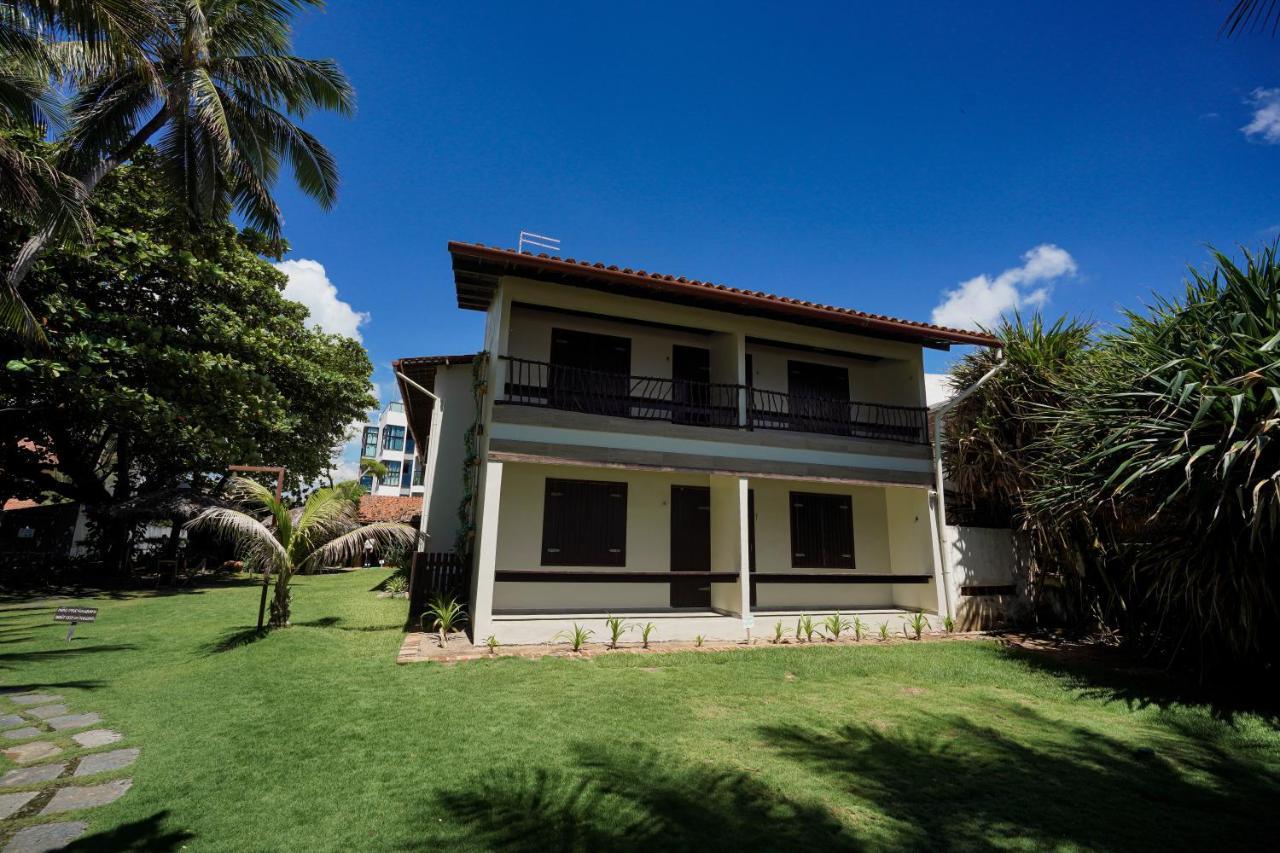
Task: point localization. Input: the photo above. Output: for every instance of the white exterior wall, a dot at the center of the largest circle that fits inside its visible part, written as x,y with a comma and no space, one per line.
453,386
984,556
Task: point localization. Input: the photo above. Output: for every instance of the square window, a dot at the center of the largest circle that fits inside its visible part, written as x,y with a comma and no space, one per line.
584,523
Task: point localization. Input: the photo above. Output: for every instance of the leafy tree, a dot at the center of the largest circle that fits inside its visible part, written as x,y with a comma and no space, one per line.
171,354
215,83
270,537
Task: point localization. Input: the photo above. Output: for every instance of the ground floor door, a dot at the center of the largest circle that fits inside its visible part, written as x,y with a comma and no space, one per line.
690,545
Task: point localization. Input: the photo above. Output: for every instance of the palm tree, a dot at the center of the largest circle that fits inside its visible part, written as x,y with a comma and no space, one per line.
272,538
216,87
42,43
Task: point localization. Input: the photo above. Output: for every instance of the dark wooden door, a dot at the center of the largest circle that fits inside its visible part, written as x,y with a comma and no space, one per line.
690,385
819,397
821,531
589,372
690,545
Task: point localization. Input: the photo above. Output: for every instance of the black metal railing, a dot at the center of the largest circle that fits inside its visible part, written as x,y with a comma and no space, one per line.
600,392
800,413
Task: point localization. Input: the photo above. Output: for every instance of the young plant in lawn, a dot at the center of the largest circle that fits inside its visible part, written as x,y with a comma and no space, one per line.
918,623
616,629
274,540
577,637
948,624
806,625
859,628
492,642
777,632
835,623
646,631
698,640
884,632
446,616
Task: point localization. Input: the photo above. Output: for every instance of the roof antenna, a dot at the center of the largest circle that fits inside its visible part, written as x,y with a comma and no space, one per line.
528,238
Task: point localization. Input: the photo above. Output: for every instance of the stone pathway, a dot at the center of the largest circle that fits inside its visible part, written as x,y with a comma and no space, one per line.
42,727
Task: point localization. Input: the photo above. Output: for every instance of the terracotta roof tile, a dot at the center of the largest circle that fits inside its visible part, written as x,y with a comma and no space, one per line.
388,508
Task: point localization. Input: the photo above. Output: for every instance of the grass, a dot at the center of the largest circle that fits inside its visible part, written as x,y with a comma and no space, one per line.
312,738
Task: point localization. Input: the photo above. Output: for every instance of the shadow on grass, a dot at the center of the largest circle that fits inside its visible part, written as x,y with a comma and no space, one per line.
234,639
950,784
149,834
336,623
29,686
10,660
1110,675
631,798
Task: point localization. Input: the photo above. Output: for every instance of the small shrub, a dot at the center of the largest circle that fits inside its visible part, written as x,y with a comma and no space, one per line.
918,622
447,615
616,629
646,630
948,624
577,637
492,642
698,640
396,585
884,631
777,632
806,625
859,628
835,623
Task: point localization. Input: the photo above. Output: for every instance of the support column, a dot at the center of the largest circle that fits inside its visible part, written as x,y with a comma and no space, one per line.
486,552
744,550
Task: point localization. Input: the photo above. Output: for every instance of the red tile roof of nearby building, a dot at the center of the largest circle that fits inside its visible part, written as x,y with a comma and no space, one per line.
388,508
19,503
473,292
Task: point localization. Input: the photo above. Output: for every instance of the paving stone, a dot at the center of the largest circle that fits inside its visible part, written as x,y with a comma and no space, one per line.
97,737
103,761
35,698
32,775
74,721
34,751
22,733
86,796
48,836
10,803
11,720
44,712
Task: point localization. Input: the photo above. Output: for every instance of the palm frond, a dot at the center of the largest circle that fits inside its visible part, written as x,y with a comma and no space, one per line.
341,551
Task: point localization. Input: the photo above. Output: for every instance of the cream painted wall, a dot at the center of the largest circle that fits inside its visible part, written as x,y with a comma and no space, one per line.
453,386
891,382
898,381
911,546
648,538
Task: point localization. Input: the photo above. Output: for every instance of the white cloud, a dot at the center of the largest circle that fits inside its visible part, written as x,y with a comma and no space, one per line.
1265,124
310,285
981,300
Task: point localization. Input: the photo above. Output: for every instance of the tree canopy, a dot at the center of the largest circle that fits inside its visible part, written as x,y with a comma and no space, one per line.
171,354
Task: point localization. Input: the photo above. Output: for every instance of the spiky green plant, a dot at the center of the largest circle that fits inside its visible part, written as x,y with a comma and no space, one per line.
492,642
859,628
281,542
698,640
777,632
577,637
948,624
445,615
617,627
918,622
806,626
884,632
646,631
835,624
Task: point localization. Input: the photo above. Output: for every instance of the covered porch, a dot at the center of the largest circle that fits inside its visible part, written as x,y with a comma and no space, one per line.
697,553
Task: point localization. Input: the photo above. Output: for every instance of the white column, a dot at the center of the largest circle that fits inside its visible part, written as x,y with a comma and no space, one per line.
945,599
486,555
744,549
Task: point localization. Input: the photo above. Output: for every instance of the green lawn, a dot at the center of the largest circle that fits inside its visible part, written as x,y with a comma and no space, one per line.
313,739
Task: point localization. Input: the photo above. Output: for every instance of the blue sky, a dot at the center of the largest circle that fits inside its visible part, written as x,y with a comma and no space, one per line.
849,152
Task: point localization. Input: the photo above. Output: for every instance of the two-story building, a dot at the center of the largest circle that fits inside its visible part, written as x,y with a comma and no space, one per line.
676,451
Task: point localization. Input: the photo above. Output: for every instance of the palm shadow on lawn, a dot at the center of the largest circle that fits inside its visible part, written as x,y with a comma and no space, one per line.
967,786
149,834
11,660
631,798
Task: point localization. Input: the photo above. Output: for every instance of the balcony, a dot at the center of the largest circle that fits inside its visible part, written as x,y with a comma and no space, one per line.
709,404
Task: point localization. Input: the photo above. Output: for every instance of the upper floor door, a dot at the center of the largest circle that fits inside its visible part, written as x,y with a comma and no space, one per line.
589,372
818,397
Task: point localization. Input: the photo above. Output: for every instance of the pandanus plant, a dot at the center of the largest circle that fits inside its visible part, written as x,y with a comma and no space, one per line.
280,541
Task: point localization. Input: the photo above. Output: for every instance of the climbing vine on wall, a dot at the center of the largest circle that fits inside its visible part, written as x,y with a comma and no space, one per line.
471,461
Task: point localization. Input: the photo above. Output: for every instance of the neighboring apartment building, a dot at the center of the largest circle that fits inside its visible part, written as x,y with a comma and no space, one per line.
390,442
707,458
